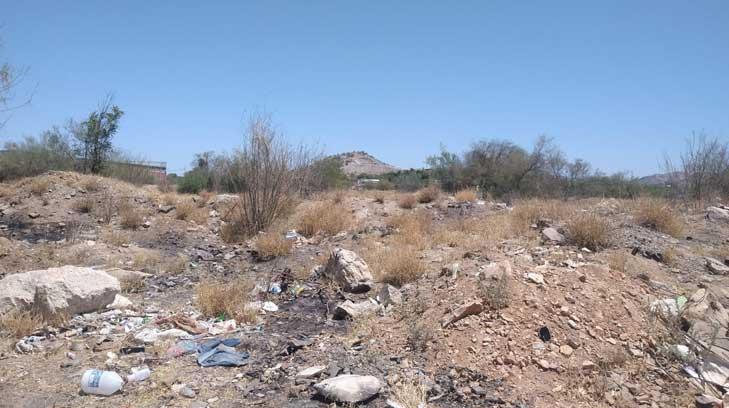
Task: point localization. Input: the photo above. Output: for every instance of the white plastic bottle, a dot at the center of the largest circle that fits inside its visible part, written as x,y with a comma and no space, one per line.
139,374
101,382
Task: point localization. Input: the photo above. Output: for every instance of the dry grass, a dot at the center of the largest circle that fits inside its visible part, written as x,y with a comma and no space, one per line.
407,201
413,229
84,205
6,191
410,394
428,194
226,299
323,217
529,212
658,215
589,231
396,265
339,196
619,261
105,209
147,260
90,183
204,198
40,185
467,195
669,256
169,199
174,265
129,216
273,244
19,324
185,210
116,238
495,294
379,197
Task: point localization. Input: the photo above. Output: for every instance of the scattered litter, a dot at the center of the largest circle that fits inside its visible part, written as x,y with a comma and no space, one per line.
225,326
30,344
150,335
218,352
139,374
101,382
132,350
270,307
181,348
184,390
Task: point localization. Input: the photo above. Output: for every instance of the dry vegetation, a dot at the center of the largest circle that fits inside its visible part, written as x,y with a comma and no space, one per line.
407,201
657,214
40,185
428,194
228,300
273,244
85,205
129,216
589,231
20,323
466,195
328,218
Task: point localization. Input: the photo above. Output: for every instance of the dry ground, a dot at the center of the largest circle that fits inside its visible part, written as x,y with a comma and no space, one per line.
603,350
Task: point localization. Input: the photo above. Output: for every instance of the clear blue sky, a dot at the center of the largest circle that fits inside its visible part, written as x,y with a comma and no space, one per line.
615,82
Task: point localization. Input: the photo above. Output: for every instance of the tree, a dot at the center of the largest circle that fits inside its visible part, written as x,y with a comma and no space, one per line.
447,168
10,78
94,136
704,167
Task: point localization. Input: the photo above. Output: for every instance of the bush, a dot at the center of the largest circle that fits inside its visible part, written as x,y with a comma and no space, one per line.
589,231
84,205
467,195
184,210
325,217
40,185
129,217
274,173
379,197
226,300
407,201
19,324
35,156
401,265
273,244
193,182
428,194
658,215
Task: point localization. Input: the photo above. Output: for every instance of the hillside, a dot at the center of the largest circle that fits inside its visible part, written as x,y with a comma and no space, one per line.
356,163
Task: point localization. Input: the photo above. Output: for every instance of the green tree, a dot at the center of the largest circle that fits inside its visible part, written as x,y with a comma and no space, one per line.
94,136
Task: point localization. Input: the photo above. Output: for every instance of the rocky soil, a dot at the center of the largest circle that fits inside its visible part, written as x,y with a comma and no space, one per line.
499,316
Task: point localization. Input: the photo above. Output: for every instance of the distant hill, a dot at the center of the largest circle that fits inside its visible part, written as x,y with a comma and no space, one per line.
356,163
661,179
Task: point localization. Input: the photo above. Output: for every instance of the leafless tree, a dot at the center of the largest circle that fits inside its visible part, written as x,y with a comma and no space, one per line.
10,77
703,169
273,173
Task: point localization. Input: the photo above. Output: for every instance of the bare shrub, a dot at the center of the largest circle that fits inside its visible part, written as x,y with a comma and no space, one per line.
420,333
105,208
669,256
40,185
129,216
147,261
410,394
399,265
467,195
90,183
658,215
428,194
169,199
379,197
274,172
184,210
323,217
529,212
619,261
227,300
589,231
116,238
19,324
407,201
72,231
339,196
273,244
204,198
174,265
413,229
84,205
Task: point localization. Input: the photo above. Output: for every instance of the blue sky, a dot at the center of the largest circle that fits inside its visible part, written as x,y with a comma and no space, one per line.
615,82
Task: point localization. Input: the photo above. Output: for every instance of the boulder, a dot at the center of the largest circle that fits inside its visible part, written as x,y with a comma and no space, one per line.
495,271
349,270
551,234
389,295
68,290
717,213
716,267
353,310
461,312
349,388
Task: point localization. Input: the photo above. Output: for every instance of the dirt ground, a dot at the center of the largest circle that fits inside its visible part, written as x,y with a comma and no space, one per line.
605,348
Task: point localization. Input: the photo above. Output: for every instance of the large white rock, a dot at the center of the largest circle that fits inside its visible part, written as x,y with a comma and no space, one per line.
66,290
349,270
349,309
717,213
349,388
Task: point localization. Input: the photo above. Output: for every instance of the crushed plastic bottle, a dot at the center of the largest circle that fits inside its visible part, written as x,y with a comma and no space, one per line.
181,348
101,382
139,374
275,288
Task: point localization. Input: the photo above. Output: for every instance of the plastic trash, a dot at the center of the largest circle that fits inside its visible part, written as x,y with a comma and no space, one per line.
544,334
100,382
270,307
139,374
181,348
275,288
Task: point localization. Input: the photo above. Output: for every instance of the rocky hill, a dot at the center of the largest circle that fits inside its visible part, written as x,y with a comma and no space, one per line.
355,163
661,179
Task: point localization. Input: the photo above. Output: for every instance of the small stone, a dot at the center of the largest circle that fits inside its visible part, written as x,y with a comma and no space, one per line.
588,365
566,350
537,278
311,372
